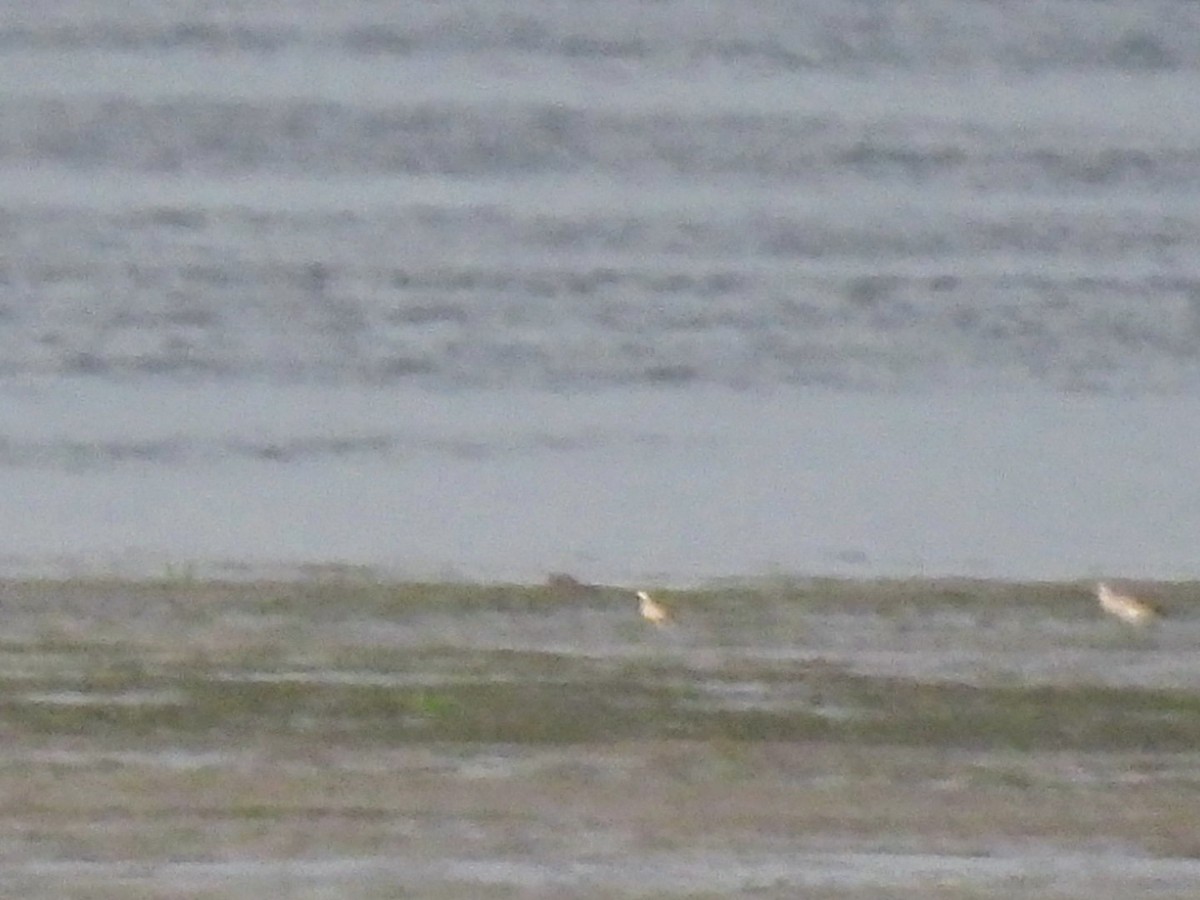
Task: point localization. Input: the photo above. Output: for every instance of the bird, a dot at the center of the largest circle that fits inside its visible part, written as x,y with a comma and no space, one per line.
652,611
1130,610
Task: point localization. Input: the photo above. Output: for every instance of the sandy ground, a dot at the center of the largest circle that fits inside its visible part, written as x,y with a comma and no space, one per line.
343,737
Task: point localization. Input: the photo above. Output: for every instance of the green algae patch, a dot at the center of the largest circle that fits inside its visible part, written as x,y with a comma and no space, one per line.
348,659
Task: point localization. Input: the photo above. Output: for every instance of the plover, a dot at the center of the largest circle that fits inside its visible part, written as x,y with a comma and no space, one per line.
651,610
1130,610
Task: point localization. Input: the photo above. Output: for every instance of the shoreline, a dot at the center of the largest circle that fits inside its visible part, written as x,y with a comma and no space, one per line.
554,581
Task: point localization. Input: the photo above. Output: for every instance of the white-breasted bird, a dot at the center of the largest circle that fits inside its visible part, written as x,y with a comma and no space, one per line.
652,611
1129,609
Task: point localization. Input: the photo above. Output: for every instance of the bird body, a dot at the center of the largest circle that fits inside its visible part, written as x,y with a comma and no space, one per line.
1129,609
652,611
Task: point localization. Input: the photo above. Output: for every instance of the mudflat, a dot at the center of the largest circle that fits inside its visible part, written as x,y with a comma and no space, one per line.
344,736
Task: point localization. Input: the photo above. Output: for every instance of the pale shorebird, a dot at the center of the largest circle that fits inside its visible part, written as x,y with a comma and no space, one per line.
1130,610
652,611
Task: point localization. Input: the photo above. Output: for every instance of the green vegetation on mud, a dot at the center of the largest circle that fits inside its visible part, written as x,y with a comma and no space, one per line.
354,660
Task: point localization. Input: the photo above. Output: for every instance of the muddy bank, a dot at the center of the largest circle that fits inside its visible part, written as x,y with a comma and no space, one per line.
853,739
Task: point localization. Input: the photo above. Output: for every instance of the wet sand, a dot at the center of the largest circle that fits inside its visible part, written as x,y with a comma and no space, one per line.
341,736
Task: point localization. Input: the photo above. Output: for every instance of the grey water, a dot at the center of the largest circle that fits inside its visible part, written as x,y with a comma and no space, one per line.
666,291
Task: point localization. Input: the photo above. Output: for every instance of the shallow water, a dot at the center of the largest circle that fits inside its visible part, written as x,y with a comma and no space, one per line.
645,485
669,292
1104,874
